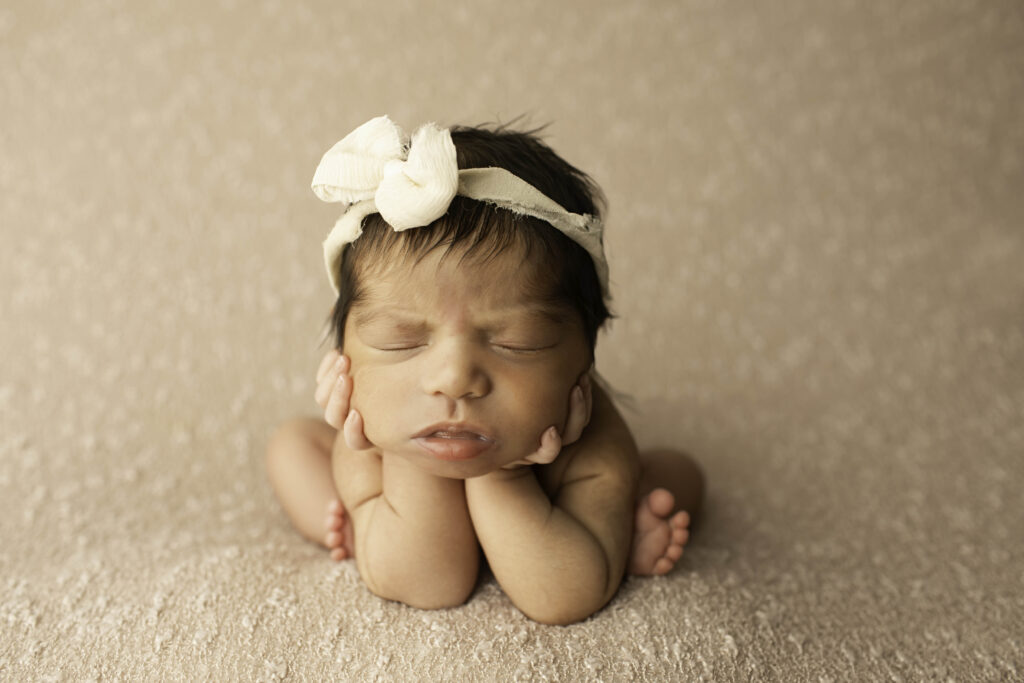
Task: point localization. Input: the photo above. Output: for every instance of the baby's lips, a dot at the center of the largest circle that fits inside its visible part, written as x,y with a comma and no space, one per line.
456,428
444,434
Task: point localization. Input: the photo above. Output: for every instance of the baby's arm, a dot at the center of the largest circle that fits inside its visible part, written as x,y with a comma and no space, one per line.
561,560
413,538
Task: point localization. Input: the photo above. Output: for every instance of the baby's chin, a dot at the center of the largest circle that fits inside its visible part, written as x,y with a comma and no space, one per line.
483,464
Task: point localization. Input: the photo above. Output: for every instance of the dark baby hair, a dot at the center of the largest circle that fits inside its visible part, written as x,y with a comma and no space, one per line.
562,271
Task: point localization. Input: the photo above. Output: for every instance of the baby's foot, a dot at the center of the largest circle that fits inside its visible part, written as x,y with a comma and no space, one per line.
658,539
339,532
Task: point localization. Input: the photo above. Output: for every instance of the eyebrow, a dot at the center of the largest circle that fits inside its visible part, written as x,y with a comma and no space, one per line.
408,318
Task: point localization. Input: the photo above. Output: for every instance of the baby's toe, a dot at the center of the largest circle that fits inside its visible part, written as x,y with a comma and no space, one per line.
680,520
335,508
339,554
334,522
680,536
674,552
334,539
661,502
663,566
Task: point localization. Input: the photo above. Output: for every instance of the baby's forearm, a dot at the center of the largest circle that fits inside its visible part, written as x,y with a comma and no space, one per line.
550,565
414,540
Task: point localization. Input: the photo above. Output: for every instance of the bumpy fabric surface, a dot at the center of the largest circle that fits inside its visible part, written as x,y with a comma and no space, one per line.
815,241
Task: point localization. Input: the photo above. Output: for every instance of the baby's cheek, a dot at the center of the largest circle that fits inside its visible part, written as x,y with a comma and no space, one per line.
549,406
374,396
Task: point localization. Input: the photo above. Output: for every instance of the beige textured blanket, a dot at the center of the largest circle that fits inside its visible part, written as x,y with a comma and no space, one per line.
815,239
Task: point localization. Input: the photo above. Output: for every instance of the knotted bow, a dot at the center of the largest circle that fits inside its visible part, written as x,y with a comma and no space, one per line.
410,186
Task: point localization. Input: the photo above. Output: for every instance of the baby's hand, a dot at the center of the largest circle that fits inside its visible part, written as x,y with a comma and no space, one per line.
581,402
334,394
333,387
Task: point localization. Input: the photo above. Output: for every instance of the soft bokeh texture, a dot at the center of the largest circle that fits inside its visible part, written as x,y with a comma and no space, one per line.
815,241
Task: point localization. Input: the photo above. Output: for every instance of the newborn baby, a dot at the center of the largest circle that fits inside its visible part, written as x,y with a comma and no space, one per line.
469,303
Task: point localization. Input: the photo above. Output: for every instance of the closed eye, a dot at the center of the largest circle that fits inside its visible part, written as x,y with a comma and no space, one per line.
522,349
503,347
404,347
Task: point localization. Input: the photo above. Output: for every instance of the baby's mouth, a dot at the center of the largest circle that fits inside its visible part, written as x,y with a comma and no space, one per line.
454,444
443,434
455,431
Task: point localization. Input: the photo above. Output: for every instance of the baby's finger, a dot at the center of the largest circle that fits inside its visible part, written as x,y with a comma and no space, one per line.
329,381
337,403
326,384
329,359
588,393
517,464
354,435
578,417
550,446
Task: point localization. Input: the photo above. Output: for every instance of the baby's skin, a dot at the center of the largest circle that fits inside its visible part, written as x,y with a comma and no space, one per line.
659,535
483,432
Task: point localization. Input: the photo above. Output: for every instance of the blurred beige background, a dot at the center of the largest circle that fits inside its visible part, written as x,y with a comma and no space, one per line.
815,238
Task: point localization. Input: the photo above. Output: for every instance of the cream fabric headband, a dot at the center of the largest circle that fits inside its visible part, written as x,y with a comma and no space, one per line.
373,170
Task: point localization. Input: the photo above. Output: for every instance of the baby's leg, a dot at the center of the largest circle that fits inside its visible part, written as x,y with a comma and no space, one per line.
299,469
669,497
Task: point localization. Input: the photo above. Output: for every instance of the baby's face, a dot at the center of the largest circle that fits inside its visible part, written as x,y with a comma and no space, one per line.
463,347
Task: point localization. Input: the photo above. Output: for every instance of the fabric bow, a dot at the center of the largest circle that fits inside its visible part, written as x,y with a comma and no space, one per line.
411,186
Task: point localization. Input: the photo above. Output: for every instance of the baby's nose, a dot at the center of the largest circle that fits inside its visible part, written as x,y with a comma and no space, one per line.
454,372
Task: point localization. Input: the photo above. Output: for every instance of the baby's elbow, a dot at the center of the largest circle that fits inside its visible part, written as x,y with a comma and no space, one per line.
569,606
424,592
558,618
562,614
438,597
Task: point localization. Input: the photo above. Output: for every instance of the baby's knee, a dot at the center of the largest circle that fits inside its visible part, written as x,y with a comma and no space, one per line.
297,434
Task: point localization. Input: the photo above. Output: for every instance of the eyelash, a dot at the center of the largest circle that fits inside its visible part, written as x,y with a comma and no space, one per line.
515,349
512,349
